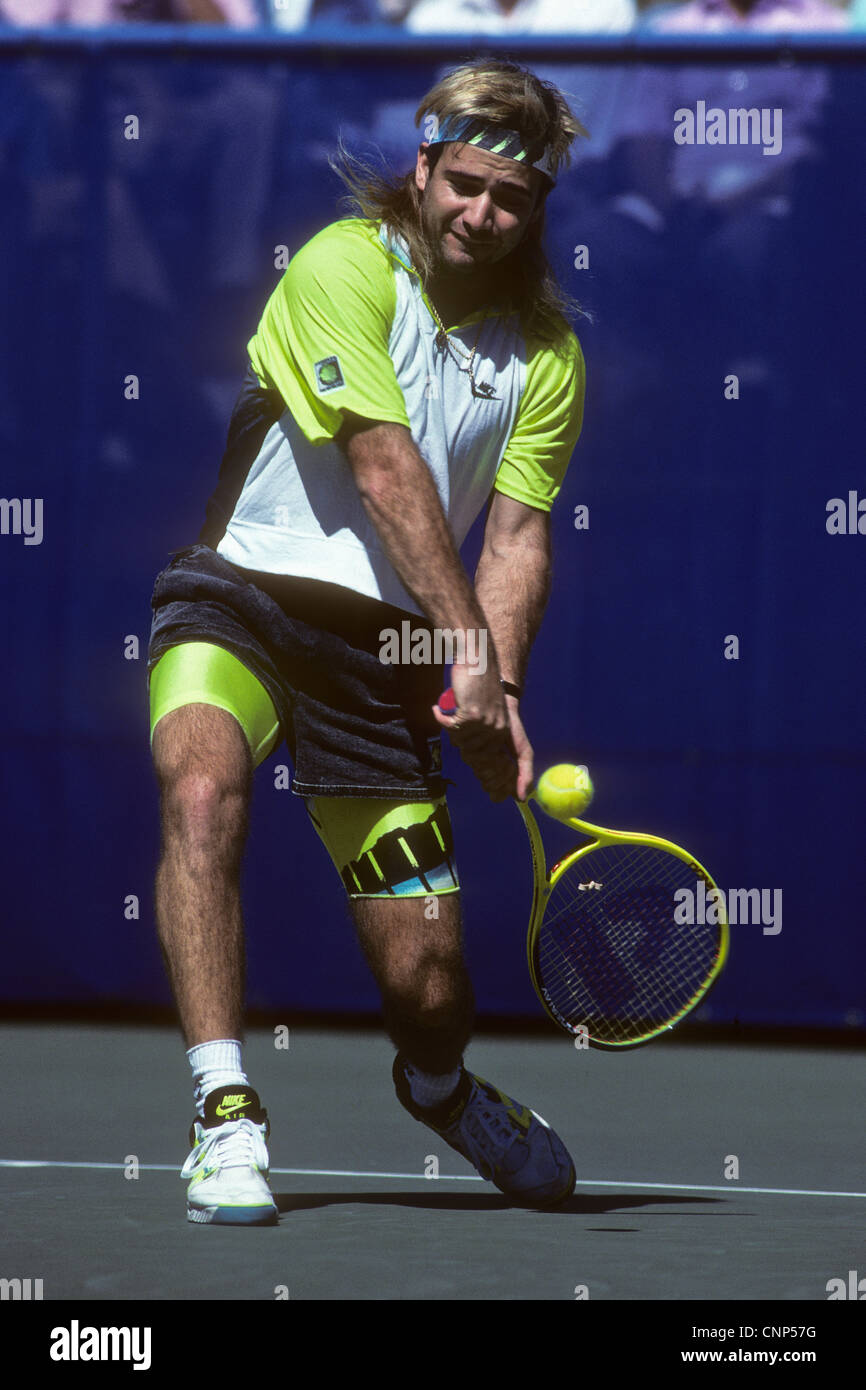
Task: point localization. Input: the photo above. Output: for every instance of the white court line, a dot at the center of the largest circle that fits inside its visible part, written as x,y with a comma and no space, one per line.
443,1177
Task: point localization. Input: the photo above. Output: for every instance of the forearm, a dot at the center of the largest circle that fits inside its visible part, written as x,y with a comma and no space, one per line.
400,498
512,584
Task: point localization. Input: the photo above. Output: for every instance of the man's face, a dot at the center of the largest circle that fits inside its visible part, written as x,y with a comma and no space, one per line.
476,206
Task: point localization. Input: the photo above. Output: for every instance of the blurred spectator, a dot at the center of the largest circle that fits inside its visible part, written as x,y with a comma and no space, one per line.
758,16
741,198
241,14
731,210
291,15
515,16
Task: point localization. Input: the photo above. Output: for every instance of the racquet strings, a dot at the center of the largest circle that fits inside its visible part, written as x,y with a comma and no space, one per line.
610,955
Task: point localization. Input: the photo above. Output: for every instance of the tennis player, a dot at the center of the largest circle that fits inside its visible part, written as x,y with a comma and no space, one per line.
413,365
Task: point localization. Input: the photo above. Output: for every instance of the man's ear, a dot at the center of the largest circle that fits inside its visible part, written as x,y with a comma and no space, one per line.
422,166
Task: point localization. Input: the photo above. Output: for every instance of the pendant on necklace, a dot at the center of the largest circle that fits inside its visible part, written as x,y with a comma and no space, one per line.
482,388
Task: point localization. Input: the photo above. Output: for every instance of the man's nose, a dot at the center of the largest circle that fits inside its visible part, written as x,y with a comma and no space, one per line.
478,213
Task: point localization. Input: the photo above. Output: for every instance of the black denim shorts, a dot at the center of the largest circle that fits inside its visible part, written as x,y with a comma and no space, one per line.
355,725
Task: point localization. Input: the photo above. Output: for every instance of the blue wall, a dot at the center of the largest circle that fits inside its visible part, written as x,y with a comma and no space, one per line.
707,516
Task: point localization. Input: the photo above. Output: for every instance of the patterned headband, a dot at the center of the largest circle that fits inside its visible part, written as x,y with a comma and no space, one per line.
493,138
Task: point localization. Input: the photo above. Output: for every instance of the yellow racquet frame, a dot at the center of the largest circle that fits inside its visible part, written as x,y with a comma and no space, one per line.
545,883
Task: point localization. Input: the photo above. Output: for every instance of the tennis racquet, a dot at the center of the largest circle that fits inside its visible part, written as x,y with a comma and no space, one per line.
607,955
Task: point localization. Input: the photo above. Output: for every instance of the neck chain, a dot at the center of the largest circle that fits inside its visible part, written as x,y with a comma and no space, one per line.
480,389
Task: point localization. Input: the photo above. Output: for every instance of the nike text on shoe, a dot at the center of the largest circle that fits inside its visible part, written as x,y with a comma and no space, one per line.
228,1167
508,1144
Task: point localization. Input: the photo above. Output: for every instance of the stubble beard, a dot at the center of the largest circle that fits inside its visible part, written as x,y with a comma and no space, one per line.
485,278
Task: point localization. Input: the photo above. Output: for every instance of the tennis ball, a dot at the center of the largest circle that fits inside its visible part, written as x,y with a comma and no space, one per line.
564,791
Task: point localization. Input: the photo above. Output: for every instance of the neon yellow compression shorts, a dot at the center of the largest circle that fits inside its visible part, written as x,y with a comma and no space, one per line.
380,848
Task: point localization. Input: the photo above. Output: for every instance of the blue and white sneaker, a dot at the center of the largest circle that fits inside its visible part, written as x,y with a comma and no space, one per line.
228,1166
508,1144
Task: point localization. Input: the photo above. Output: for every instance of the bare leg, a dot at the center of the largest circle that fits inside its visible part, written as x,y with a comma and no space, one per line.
204,768
418,963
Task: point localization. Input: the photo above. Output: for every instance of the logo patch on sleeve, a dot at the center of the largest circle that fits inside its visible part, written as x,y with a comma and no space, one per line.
328,374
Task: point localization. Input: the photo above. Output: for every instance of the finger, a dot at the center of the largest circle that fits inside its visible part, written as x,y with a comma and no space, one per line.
525,774
496,775
502,790
447,721
483,739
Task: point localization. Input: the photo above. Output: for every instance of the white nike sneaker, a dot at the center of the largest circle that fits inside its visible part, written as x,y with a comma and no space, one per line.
228,1166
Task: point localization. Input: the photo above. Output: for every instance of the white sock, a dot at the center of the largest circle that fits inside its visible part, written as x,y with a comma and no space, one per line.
215,1064
428,1091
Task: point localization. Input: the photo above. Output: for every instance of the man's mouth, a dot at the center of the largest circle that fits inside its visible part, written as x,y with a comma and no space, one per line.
471,245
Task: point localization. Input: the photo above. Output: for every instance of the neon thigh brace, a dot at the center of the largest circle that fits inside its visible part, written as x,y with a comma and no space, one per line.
386,849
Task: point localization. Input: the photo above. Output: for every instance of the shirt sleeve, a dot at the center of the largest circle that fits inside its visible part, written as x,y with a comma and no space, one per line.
324,335
548,424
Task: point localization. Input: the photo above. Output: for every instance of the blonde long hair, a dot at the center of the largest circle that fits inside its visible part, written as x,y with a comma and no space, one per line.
504,94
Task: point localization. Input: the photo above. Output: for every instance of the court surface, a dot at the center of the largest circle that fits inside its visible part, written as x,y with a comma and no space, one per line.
653,1133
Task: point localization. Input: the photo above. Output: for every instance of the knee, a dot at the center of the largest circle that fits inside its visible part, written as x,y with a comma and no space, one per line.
204,808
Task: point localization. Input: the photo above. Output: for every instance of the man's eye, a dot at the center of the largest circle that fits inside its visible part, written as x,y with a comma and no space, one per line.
512,202
502,196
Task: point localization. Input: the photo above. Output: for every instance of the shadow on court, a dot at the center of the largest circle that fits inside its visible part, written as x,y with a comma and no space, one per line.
666,1140
482,1202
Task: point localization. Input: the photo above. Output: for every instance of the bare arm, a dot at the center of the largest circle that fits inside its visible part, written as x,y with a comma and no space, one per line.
400,498
512,583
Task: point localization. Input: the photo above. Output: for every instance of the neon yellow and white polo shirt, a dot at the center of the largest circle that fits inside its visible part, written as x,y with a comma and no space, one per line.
348,328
